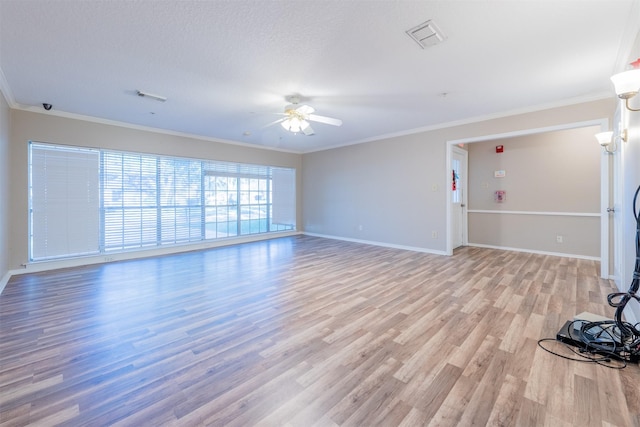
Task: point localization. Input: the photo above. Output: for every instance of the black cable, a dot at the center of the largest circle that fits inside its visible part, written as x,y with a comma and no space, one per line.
612,339
629,333
603,360
589,345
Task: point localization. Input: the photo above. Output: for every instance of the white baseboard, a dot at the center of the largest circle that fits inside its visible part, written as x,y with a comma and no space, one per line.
532,251
374,243
4,281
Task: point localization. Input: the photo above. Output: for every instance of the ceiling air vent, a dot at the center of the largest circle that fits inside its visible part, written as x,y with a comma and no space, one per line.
426,34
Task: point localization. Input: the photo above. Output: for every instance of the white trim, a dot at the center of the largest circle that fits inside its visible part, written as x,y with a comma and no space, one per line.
448,198
6,90
98,120
605,187
477,119
605,195
374,243
35,267
618,202
631,30
533,251
4,87
4,281
587,214
603,123
465,194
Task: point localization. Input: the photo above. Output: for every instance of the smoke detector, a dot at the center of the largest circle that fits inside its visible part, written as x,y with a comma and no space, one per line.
426,34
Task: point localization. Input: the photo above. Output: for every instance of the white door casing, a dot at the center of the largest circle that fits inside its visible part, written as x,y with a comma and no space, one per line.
457,187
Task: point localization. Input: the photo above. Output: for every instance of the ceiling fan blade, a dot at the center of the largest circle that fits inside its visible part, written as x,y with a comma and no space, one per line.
325,120
307,131
305,109
274,122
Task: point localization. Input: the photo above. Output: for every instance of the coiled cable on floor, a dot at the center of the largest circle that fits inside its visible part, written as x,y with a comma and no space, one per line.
626,336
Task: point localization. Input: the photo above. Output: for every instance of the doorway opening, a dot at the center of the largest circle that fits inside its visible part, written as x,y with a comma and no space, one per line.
454,209
459,168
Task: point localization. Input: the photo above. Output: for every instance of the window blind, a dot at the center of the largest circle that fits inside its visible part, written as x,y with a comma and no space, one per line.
64,202
129,200
86,201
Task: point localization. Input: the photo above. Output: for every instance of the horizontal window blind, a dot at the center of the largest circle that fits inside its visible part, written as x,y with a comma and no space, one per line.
64,202
87,201
129,200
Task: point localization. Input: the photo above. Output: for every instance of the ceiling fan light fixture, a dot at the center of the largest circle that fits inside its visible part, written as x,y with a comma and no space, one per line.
294,124
297,117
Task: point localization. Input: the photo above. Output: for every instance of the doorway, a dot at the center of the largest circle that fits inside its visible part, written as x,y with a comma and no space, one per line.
453,212
459,165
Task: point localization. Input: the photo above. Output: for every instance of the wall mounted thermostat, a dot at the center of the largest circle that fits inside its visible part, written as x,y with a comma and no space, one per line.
499,174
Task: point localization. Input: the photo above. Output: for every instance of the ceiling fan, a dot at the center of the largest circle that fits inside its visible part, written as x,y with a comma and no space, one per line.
297,117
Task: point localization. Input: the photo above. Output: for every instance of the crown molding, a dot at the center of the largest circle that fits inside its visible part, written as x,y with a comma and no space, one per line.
6,90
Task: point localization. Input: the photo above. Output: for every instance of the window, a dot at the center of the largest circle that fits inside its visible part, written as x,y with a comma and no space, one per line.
221,206
456,197
129,208
63,201
115,201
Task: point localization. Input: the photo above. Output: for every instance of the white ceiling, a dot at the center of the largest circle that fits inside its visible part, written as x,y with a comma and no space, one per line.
226,66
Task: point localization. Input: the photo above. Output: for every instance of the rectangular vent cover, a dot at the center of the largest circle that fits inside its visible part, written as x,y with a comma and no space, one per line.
426,34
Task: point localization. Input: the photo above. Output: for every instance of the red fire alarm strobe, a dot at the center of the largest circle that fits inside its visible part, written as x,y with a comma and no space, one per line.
499,148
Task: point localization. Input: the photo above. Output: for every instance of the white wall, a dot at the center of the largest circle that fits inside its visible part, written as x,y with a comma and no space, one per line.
377,192
5,165
43,127
630,152
396,188
631,180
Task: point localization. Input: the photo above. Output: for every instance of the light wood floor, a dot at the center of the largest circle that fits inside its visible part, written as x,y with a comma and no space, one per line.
306,331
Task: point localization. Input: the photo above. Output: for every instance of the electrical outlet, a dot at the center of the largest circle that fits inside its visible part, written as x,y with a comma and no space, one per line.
559,239
434,234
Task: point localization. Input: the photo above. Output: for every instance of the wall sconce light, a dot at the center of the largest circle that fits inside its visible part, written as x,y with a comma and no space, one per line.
608,141
627,85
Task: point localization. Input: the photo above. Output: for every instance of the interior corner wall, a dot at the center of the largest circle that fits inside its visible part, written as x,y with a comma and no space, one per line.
393,191
552,186
5,166
631,181
42,127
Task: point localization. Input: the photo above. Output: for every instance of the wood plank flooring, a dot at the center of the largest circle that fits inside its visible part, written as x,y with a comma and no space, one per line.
304,331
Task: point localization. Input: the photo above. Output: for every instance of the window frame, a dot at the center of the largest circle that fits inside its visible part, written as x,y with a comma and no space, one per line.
187,183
